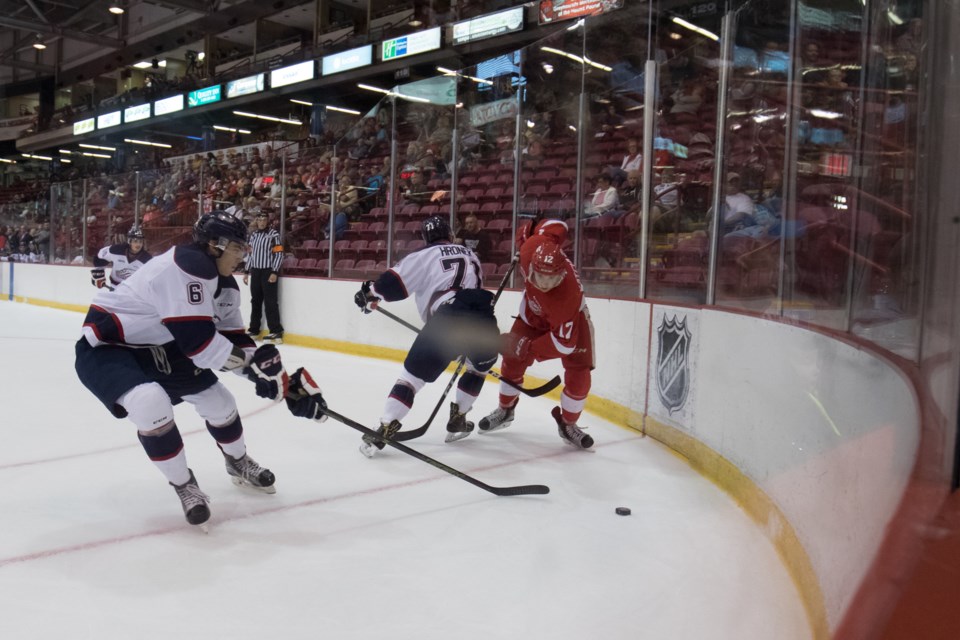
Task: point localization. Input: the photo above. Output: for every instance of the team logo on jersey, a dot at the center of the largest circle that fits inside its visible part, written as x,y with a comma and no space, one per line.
673,370
535,306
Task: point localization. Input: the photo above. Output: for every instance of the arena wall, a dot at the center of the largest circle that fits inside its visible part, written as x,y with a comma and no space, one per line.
815,436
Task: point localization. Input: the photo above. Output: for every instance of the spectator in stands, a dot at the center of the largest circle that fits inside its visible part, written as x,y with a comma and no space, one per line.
604,199
665,212
632,162
687,98
43,240
631,193
811,65
442,134
348,197
415,189
911,42
738,207
473,237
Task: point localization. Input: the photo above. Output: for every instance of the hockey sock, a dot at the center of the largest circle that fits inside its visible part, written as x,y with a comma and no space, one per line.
229,437
164,447
400,400
575,391
569,417
468,388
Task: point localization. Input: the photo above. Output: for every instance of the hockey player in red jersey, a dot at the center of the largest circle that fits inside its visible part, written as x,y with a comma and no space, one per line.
554,322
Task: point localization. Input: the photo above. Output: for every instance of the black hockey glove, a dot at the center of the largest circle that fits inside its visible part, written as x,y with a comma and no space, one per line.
266,372
304,398
98,278
365,298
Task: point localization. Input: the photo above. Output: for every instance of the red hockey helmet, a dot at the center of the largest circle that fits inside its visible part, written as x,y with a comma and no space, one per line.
547,266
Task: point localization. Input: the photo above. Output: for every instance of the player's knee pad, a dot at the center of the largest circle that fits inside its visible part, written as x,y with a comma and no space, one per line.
148,406
162,444
471,382
215,404
405,388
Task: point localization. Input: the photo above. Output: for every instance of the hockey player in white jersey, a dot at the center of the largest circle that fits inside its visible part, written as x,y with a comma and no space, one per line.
157,340
445,279
123,259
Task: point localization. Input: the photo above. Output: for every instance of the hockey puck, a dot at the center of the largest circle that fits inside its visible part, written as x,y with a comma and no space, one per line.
623,511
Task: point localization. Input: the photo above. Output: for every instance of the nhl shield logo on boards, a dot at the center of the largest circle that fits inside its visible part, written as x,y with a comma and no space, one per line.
673,370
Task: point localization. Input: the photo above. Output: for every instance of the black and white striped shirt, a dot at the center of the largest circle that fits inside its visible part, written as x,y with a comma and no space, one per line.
266,252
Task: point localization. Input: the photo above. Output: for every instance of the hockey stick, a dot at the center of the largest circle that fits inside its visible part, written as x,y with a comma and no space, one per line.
520,490
534,392
403,436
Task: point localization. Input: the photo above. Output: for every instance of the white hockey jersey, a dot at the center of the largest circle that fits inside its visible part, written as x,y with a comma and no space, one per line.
178,296
432,274
122,266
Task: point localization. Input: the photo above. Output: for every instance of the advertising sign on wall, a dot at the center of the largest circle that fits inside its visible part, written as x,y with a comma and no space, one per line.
84,126
108,120
139,112
410,45
346,60
168,105
246,86
488,26
559,10
293,74
201,97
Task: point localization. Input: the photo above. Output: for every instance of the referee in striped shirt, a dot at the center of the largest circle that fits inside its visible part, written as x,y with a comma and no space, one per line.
263,267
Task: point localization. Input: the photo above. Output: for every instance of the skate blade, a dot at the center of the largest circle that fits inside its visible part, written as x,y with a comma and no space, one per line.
204,527
243,484
272,341
368,450
500,428
453,436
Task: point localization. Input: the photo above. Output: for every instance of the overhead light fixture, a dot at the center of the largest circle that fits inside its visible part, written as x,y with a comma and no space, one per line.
35,157
38,43
96,146
230,129
342,110
451,72
148,144
247,114
391,93
115,9
150,64
67,160
584,60
96,155
692,27
66,151
303,102
8,161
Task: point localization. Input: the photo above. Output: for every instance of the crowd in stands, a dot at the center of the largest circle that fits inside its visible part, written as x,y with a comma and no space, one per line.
334,198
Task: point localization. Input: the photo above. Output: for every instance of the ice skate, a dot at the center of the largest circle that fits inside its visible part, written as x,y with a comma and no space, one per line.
457,427
571,433
274,338
254,334
245,472
500,419
194,502
369,446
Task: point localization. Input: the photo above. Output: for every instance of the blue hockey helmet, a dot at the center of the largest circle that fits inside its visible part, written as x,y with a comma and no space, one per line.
220,228
135,233
435,228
